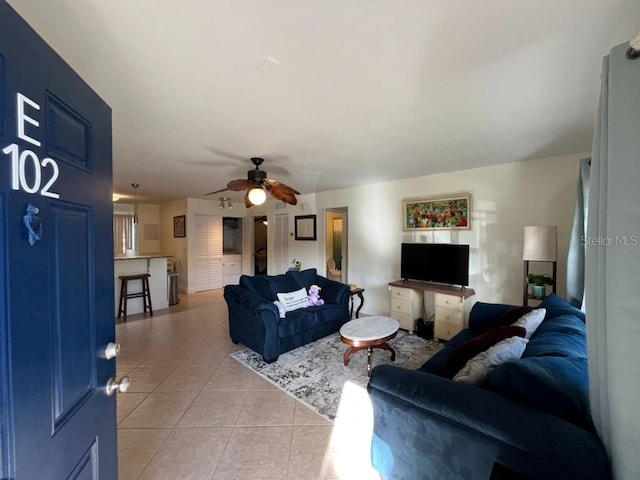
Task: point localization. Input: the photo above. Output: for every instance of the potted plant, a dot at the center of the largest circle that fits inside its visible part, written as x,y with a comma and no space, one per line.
538,282
295,265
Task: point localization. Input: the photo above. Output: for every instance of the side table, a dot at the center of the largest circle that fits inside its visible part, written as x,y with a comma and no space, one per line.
356,291
369,333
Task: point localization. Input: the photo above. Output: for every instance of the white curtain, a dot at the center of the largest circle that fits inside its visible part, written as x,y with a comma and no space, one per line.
123,231
612,265
575,257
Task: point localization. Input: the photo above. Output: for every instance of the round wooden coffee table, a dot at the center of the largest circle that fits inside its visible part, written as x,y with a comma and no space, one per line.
369,333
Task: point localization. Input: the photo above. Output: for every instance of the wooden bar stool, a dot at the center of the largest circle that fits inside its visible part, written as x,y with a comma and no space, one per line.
145,294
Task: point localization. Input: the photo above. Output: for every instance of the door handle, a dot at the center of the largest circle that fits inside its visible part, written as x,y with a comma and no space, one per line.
114,385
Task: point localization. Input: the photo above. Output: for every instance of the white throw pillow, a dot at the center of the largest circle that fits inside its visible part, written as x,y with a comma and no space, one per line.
281,311
294,300
531,321
476,370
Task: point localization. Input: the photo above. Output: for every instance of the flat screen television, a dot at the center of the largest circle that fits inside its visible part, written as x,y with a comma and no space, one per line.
435,262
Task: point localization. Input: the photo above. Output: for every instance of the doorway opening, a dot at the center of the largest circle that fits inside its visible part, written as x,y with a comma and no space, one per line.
336,244
260,245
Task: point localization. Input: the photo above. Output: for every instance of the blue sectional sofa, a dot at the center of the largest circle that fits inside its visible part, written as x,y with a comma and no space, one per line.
530,418
254,319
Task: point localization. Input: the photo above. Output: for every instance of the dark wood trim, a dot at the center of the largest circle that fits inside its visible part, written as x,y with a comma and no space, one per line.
434,287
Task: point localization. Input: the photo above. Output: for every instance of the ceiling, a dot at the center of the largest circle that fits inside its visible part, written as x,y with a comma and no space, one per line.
363,91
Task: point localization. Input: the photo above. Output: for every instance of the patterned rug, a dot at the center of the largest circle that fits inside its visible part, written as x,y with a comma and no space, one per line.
315,373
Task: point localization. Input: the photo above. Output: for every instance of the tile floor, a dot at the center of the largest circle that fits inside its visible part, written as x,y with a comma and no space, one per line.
192,412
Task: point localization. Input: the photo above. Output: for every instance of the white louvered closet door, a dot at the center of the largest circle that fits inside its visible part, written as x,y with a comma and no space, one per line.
208,252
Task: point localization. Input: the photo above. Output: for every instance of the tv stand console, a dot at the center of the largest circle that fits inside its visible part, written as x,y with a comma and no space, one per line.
407,300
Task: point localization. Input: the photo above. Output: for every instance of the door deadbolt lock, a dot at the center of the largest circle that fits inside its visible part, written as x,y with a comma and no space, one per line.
111,350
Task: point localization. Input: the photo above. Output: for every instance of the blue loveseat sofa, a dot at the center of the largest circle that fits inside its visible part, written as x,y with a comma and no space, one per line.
254,319
530,418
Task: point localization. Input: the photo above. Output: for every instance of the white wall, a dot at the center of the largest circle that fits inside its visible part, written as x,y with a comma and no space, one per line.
505,198
176,247
148,229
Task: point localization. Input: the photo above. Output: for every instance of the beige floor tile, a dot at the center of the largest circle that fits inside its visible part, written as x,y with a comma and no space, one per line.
185,379
267,408
146,379
214,409
311,441
229,362
136,447
266,447
131,357
162,409
188,454
210,441
227,378
314,468
205,356
311,453
167,357
127,402
303,415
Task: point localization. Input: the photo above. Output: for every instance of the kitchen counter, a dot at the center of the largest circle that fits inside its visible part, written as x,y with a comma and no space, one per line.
143,257
156,266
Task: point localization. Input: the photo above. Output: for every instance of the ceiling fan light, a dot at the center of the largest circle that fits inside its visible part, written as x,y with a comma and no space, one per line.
257,196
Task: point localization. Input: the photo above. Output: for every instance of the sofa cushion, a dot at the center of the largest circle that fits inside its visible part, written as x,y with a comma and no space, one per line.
307,319
294,300
563,336
556,305
257,285
505,318
531,321
304,278
281,284
555,385
460,355
436,364
482,314
476,370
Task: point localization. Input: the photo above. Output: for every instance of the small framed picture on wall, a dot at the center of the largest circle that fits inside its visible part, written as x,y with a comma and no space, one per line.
179,226
305,227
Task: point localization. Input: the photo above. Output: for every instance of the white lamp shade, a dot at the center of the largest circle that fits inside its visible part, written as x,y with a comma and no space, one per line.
257,196
540,243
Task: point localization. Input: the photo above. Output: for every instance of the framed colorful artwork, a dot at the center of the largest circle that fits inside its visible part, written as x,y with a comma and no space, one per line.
444,213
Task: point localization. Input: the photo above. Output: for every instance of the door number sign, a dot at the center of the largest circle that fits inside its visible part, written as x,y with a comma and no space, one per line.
45,171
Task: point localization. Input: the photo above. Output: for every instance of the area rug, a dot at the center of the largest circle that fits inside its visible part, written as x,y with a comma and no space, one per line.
315,373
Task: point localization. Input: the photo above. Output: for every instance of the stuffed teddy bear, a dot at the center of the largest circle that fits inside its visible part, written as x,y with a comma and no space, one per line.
314,296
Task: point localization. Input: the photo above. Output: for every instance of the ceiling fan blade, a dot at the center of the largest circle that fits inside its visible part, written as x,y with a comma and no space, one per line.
282,186
224,153
217,191
240,184
247,202
281,191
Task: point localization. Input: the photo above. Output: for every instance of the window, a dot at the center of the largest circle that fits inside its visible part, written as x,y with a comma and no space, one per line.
123,233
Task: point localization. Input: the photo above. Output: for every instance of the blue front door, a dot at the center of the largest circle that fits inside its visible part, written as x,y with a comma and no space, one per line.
56,266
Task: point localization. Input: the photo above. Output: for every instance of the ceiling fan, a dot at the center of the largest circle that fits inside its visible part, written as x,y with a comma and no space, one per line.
257,184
